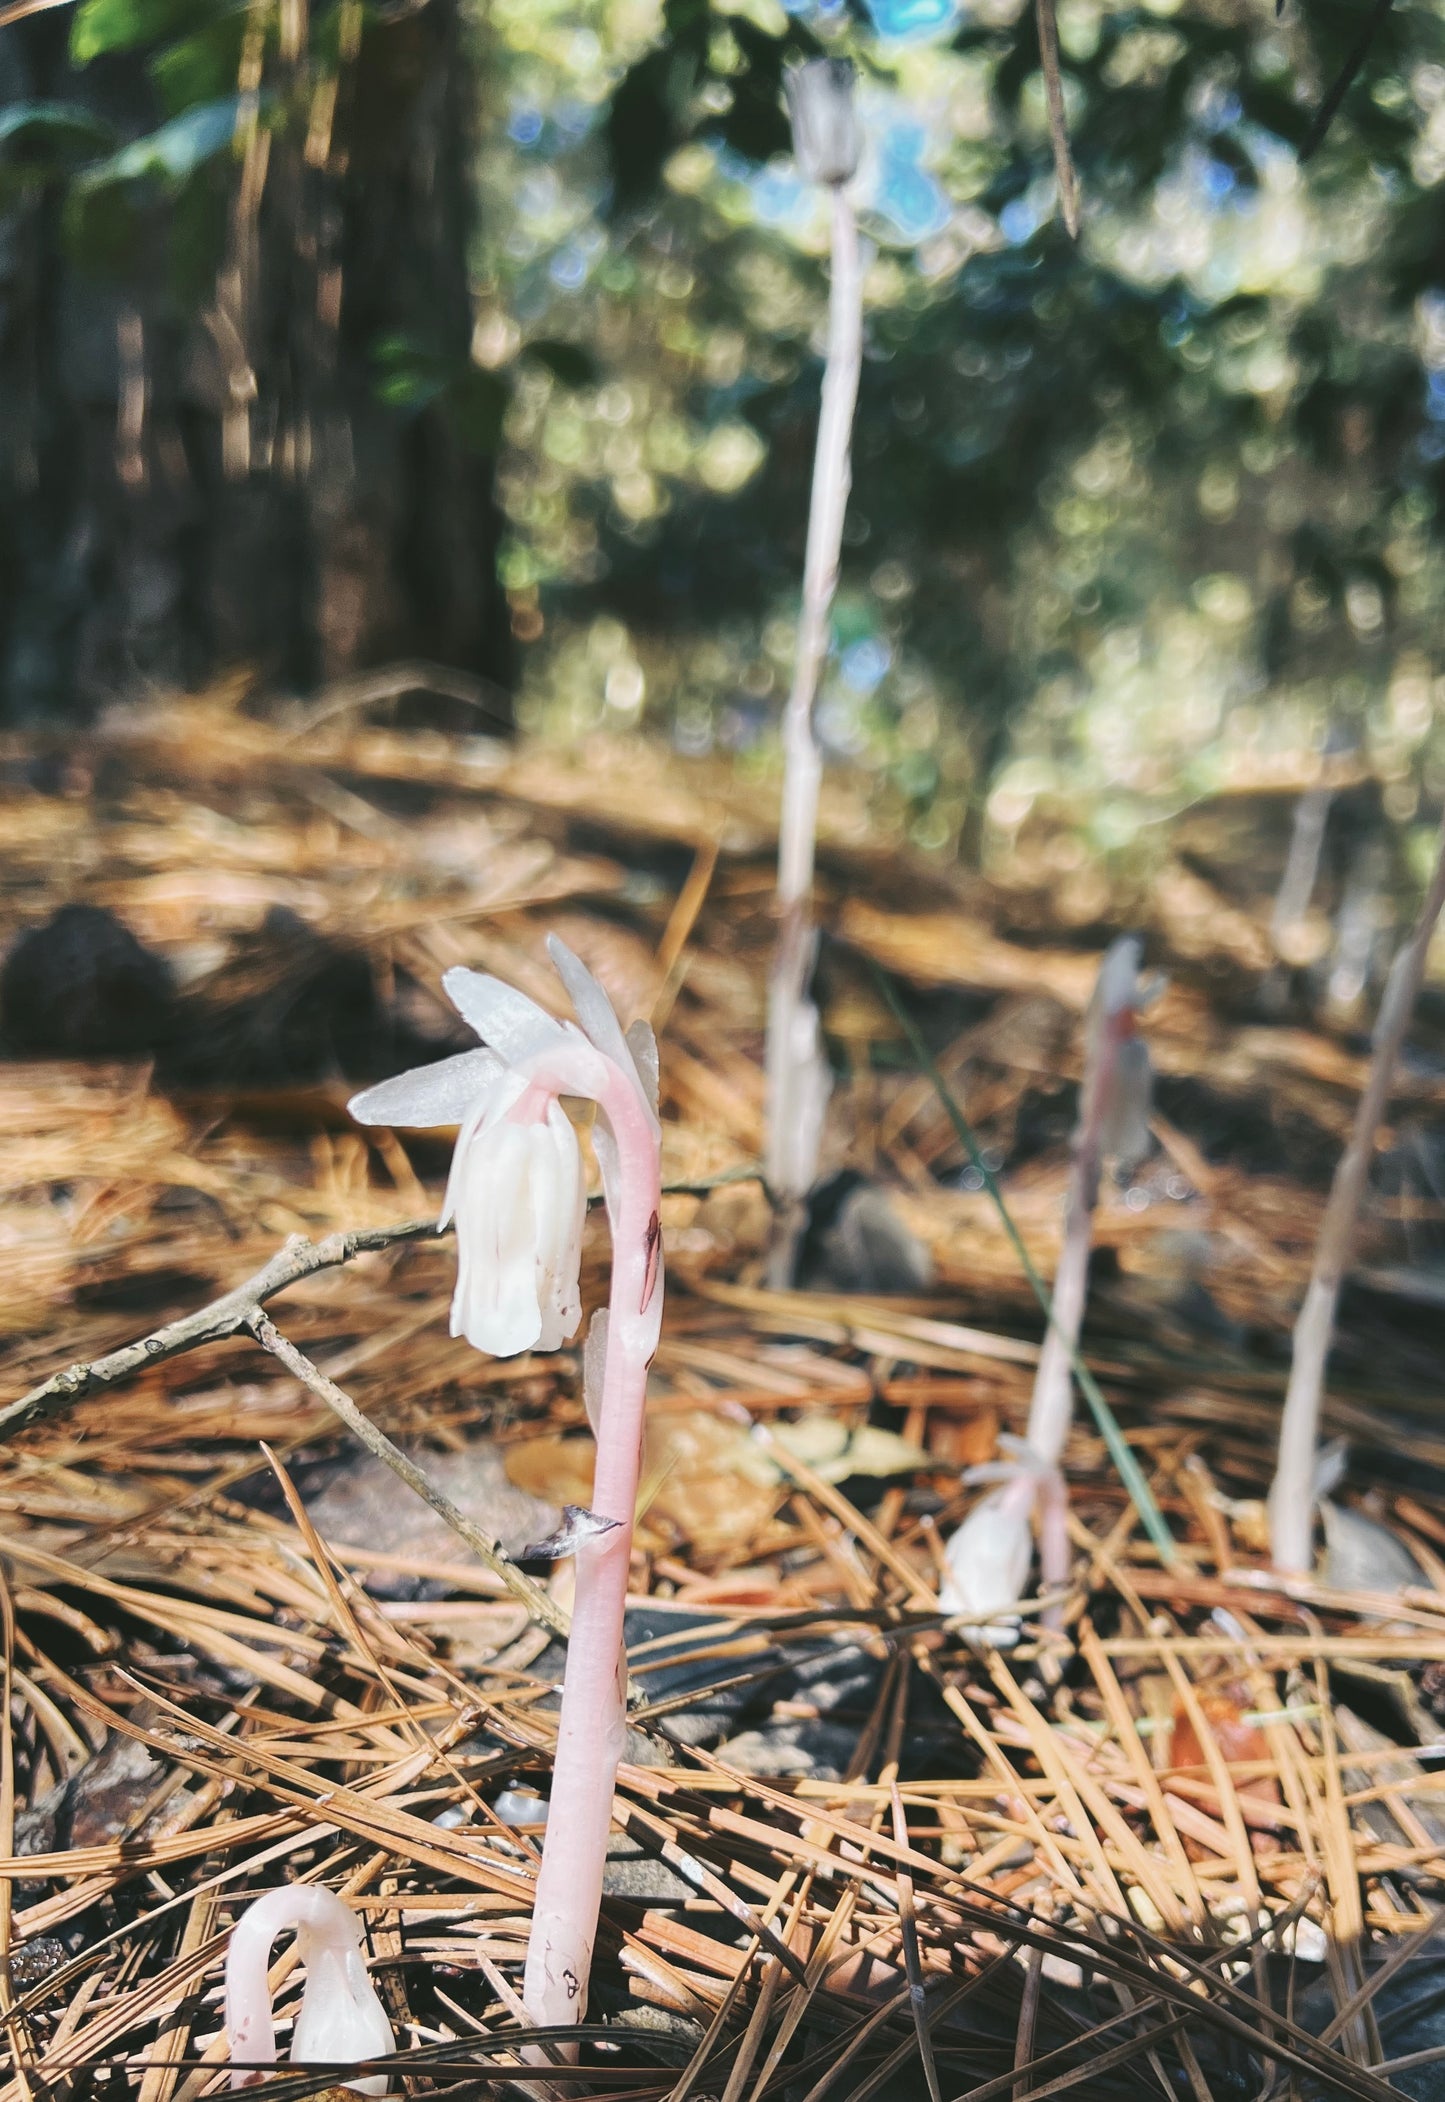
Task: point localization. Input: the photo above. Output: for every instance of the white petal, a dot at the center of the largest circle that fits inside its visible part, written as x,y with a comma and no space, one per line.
340,2018
495,1302
1118,981
594,1010
556,1185
564,1291
599,1018
445,1093
485,1111
515,1027
989,1556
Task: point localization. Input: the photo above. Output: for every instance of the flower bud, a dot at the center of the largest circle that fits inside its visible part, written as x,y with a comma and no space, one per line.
826,139
988,1560
340,2019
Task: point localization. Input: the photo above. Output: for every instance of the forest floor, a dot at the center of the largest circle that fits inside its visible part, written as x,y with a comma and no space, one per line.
1191,1840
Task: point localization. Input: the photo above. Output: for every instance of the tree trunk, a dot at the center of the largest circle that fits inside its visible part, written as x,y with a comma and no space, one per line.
192,482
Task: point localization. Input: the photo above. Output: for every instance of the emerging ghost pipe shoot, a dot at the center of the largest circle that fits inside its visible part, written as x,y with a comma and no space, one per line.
340,2021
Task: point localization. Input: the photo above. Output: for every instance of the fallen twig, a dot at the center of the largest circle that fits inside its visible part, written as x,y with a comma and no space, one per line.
226,1316
531,1595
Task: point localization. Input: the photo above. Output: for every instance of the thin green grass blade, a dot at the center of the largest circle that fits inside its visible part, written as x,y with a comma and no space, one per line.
1130,1472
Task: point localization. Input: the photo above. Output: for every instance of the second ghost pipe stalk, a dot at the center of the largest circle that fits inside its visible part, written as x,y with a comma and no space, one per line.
826,146
1113,1123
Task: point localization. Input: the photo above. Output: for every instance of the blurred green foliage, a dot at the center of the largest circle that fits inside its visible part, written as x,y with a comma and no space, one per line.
1131,520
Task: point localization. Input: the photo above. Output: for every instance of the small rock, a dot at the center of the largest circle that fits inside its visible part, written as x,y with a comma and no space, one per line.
632,1874
1363,1555
364,1505
35,1961
110,1791
817,1751
519,1806
662,2022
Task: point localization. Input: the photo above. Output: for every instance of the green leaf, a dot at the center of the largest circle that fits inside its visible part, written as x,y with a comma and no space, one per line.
570,363
173,152
40,141
58,128
200,67
121,25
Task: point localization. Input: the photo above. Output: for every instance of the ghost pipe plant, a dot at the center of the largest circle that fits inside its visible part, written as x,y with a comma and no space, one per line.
516,1194
988,1557
340,2022
826,146
1292,1496
1113,1124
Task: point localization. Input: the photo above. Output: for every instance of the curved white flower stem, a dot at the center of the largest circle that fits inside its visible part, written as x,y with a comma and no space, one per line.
1293,1494
592,1726
340,2019
797,1077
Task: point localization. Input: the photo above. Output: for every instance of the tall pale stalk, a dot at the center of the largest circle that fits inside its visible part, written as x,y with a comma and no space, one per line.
592,1728
1113,1113
798,1080
1292,1496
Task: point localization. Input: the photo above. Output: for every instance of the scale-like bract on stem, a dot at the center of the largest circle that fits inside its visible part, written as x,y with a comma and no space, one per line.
1292,1497
825,142
517,1197
340,2021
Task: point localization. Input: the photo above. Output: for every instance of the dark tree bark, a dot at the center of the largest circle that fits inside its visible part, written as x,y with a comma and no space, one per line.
195,480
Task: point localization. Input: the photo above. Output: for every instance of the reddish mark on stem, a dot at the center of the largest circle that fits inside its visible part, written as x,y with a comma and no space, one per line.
654,1247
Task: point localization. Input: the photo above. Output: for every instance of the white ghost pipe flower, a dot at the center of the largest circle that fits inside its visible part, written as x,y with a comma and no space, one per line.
1113,1124
341,2020
827,140
519,1215
518,1198
989,1556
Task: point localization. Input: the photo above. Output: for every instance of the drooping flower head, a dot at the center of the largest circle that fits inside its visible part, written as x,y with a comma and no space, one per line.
988,1557
1116,1058
826,139
340,2019
516,1189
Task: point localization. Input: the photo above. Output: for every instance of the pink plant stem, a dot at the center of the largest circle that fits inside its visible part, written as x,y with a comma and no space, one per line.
802,761
1292,1496
592,1728
1052,1407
